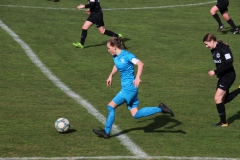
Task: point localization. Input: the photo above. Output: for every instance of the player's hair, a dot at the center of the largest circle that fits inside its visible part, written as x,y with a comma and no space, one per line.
118,42
208,37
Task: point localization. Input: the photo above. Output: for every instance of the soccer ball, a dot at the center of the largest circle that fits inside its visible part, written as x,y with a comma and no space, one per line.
62,125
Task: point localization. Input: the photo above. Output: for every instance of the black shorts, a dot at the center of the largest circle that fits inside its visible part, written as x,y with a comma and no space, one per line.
225,82
222,5
96,18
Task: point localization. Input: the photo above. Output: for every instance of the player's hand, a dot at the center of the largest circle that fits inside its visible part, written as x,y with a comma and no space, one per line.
109,81
80,6
88,11
136,82
211,73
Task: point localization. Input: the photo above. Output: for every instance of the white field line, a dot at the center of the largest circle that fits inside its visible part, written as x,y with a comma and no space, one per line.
108,9
118,157
125,140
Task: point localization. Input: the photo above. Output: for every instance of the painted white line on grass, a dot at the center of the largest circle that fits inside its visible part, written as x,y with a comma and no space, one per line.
107,9
118,157
125,140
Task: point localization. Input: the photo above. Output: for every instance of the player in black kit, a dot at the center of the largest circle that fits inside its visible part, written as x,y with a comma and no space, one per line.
222,7
95,17
223,58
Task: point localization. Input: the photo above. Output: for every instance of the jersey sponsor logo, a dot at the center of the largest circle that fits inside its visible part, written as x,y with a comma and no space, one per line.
228,56
221,85
218,55
122,60
217,61
92,0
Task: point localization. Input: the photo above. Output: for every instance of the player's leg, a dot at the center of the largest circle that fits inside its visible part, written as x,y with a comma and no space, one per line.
146,111
213,12
220,93
230,96
101,28
230,22
88,23
117,100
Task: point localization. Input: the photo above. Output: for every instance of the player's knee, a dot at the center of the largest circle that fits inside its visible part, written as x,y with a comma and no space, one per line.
110,109
101,32
136,116
213,11
217,100
226,17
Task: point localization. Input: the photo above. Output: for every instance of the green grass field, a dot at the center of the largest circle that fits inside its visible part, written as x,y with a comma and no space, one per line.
169,42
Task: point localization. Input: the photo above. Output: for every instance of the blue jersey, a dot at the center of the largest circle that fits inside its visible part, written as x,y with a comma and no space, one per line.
125,66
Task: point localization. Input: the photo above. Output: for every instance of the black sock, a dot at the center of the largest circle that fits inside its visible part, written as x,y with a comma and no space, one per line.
221,112
230,96
110,33
83,36
217,19
232,24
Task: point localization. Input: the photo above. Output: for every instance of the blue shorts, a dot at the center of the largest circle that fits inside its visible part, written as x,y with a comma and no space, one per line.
130,97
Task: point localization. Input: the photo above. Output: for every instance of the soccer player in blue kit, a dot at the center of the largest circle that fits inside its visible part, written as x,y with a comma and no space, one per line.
124,63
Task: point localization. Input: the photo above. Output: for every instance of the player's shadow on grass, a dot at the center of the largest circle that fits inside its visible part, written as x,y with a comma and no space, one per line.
234,117
104,43
158,122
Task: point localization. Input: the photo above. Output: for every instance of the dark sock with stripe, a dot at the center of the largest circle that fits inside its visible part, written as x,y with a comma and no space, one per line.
232,24
221,112
217,19
83,36
110,33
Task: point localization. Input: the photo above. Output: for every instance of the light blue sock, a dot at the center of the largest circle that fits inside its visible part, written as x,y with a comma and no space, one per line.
147,111
110,119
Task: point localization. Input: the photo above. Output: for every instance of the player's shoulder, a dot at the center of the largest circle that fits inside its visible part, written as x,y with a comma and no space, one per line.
125,52
221,44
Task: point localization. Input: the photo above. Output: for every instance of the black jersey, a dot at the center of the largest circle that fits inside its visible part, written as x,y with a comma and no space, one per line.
223,58
222,1
94,5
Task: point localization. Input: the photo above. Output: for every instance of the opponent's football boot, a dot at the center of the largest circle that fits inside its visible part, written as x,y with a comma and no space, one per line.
220,124
120,35
220,28
236,31
78,44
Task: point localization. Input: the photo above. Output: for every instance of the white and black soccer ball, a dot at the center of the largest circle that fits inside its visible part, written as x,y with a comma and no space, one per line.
62,125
